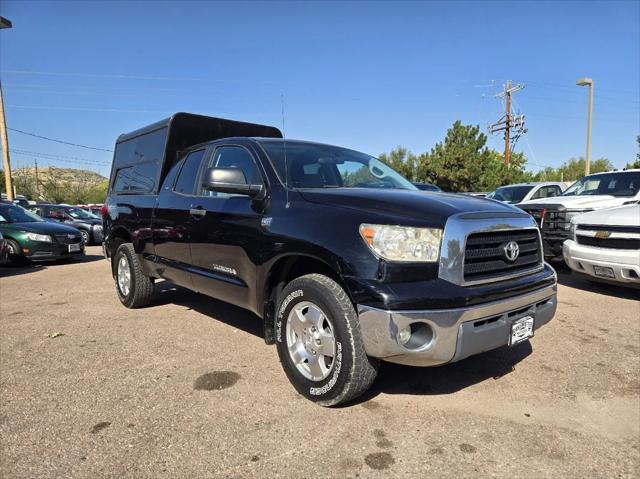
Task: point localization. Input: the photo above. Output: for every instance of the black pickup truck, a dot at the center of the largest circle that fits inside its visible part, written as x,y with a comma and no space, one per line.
342,258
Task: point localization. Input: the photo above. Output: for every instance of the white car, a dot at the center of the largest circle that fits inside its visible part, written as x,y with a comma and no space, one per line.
605,245
514,194
593,192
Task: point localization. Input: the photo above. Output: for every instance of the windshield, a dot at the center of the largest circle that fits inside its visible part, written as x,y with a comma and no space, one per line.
614,184
17,214
510,194
80,214
311,165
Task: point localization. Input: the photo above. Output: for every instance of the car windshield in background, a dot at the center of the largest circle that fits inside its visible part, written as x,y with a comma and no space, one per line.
17,214
613,184
312,165
510,194
80,214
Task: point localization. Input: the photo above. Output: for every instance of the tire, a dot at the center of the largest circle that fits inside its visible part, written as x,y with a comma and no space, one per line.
321,378
86,237
14,253
133,286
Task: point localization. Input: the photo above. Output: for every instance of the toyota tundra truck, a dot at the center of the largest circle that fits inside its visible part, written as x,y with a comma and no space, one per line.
345,262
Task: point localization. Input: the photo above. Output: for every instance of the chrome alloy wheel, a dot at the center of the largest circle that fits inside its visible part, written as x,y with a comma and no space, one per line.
124,275
310,341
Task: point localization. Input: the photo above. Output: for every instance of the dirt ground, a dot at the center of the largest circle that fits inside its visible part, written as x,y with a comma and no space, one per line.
187,388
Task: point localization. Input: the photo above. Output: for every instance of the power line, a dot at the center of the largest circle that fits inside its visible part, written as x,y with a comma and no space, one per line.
59,141
51,156
100,75
53,161
73,108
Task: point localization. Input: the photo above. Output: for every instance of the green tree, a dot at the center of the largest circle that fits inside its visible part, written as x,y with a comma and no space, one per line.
403,161
463,162
636,164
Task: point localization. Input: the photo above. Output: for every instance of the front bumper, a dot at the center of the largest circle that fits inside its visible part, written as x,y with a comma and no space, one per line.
582,259
50,251
454,333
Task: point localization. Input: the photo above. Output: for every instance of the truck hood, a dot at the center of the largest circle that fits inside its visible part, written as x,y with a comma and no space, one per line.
621,216
41,227
406,203
579,202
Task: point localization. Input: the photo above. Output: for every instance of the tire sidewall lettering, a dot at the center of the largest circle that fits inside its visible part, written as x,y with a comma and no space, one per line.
337,367
283,307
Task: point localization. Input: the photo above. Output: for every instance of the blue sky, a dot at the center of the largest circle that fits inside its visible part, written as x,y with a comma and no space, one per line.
368,76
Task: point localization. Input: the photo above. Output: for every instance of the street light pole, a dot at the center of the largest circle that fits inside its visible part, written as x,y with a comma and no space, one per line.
6,164
588,82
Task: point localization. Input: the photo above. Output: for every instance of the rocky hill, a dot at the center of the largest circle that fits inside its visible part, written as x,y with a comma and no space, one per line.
69,177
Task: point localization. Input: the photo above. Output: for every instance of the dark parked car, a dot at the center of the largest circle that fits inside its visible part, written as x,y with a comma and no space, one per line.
90,225
29,236
345,261
428,187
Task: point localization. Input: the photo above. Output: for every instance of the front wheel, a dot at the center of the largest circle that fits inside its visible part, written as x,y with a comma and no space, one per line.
86,237
319,341
14,253
134,287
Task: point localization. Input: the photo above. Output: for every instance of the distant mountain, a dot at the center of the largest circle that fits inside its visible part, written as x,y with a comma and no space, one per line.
60,185
61,176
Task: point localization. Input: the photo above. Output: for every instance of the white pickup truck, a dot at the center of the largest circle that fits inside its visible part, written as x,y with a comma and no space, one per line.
593,192
605,245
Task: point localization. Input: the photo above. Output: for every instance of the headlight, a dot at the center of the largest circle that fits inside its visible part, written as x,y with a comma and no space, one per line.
97,227
403,243
573,214
37,237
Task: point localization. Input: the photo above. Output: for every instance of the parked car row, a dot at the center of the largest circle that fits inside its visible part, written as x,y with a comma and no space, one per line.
89,224
28,236
594,225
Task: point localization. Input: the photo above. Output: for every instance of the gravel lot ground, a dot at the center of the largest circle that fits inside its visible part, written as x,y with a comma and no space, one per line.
187,388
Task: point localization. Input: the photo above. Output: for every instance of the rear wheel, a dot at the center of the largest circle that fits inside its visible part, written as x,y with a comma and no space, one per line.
134,287
319,341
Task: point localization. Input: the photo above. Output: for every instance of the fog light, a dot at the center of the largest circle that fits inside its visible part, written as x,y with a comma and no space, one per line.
404,335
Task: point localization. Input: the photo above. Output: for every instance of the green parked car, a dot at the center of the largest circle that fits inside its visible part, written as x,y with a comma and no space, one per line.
28,236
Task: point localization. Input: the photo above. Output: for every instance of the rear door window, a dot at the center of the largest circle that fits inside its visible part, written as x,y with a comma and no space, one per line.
186,183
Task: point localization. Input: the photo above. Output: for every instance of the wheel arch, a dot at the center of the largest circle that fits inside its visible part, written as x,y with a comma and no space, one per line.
285,269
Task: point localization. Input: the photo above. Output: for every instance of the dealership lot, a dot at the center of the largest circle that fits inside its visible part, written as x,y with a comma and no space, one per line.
187,388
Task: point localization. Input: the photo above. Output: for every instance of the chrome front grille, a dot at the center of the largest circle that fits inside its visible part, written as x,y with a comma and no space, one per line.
473,247
611,237
68,238
486,254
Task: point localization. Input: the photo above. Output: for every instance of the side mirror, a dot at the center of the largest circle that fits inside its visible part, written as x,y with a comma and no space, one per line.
230,180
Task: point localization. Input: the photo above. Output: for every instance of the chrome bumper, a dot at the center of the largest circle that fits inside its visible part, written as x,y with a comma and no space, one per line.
456,333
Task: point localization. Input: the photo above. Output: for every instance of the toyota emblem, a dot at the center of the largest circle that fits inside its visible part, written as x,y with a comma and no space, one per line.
511,251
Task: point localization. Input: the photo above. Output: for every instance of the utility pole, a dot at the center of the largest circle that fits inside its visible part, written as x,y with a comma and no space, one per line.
509,121
6,164
36,168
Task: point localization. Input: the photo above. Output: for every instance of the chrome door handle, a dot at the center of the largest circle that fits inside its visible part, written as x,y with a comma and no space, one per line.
198,212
